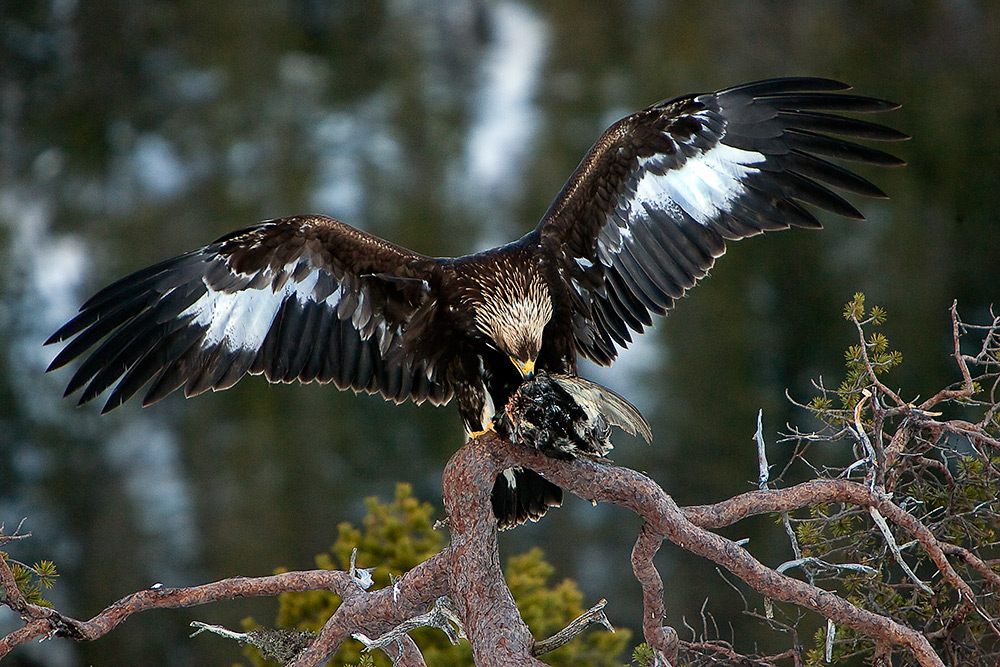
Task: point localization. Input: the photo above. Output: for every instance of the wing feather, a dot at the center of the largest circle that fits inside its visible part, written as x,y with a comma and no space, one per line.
297,299
649,209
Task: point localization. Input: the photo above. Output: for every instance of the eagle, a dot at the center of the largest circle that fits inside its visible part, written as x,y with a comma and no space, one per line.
640,221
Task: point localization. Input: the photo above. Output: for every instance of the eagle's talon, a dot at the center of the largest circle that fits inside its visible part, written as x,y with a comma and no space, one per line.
489,428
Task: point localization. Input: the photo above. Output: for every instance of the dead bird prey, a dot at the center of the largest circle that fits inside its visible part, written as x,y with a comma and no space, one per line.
565,416
639,222
562,416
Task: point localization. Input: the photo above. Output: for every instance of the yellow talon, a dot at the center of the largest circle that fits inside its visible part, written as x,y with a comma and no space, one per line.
476,434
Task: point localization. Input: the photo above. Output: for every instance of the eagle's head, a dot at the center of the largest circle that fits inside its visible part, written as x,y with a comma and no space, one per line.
513,311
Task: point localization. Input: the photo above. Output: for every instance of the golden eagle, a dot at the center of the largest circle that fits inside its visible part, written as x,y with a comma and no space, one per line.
639,222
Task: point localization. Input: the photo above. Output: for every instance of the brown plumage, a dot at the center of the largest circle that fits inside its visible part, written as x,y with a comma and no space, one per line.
639,222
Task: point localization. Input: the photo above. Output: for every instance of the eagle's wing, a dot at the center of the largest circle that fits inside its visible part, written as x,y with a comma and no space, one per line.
650,207
303,298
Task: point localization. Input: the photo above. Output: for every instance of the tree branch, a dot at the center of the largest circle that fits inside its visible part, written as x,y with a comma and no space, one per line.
816,491
493,625
627,488
469,569
382,610
593,615
374,612
662,639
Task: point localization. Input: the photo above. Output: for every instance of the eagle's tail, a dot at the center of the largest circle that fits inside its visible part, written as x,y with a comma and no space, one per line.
521,495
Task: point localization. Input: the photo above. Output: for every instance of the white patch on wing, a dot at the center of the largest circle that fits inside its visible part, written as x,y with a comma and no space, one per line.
241,320
304,290
250,319
705,185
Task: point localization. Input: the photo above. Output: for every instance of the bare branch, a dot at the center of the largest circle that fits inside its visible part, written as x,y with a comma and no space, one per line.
605,483
662,639
383,609
593,615
376,611
442,616
49,622
894,548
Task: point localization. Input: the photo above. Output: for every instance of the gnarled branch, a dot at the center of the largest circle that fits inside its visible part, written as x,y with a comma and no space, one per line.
469,568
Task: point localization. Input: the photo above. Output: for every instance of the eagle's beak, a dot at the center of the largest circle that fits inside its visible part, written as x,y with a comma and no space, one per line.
527,368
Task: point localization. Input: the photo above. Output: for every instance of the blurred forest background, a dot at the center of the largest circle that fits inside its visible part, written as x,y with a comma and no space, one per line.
133,131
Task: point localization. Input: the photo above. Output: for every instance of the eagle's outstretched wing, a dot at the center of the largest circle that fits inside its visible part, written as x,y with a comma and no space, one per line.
303,298
650,207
